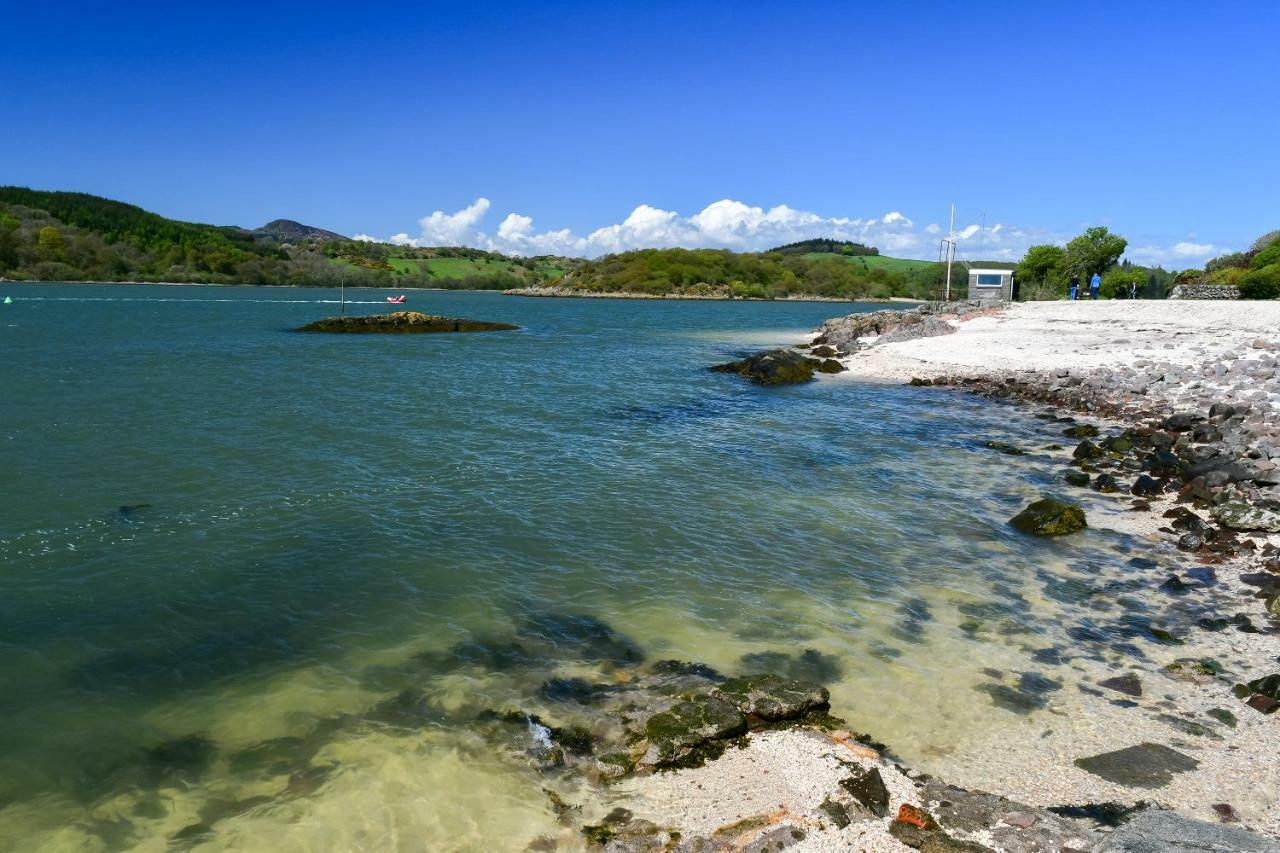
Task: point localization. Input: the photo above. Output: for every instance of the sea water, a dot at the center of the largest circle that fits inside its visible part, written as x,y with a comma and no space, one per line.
226,545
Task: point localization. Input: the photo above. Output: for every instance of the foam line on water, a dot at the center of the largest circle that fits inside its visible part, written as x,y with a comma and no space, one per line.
153,299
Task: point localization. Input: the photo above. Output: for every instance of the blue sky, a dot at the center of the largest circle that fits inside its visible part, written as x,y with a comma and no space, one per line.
605,125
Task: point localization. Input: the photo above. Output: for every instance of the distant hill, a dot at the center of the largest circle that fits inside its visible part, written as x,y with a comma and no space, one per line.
824,245
67,236
289,231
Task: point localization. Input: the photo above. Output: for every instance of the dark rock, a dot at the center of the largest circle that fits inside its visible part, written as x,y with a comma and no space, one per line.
583,637
809,665
1048,517
1081,431
577,690
830,365
869,791
402,322
1190,542
1268,686
1164,463
835,812
772,698
180,760
1226,813
1005,448
1088,450
1147,765
1175,585
1075,477
1145,486
678,735
1128,684
1106,484
1178,422
823,351
686,668
775,367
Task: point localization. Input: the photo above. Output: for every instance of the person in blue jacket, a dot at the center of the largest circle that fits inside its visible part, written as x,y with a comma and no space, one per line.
1095,284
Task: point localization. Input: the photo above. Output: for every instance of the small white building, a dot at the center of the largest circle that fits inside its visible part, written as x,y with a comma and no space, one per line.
990,285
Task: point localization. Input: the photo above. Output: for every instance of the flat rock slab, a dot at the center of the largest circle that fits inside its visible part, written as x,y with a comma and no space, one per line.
1169,832
399,322
1147,765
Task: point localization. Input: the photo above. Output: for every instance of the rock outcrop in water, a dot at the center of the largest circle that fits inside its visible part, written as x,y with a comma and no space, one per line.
925,321
404,322
1049,517
775,367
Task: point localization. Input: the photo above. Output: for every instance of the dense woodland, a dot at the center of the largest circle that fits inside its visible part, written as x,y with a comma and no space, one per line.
763,275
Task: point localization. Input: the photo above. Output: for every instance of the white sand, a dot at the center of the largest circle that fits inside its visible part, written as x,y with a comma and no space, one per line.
1060,335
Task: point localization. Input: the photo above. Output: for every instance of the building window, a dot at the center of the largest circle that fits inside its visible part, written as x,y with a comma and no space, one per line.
990,280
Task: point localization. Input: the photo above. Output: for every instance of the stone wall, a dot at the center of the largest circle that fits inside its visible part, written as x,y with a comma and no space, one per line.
1205,291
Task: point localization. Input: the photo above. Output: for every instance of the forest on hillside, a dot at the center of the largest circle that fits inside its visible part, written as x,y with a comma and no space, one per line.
760,275
63,236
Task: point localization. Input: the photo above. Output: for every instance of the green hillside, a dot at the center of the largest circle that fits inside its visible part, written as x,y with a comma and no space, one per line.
64,236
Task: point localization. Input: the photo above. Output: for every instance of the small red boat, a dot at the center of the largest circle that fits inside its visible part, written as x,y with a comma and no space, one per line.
396,300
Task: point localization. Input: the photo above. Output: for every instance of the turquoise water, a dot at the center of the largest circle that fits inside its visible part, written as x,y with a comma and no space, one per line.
217,533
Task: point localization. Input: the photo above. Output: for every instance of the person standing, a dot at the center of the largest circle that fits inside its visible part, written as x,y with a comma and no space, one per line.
1075,287
1133,290
1095,284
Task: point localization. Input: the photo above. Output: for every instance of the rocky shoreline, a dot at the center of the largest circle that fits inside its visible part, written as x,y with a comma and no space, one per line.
1188,450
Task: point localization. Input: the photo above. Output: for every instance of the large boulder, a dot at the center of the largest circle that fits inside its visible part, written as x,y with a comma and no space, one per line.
775,367
679,735
772,698
403,321
1049,517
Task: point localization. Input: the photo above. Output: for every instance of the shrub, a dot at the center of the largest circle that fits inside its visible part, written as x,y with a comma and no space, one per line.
1235,259
1118,281
1267,257
1188,276
1228,275
1262,283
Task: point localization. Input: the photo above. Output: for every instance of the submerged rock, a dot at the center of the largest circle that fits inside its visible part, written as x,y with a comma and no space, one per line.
404,321
1146,765
773,698
1049,517
775,367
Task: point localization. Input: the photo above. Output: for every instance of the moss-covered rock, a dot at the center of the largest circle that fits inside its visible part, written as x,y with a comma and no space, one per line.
681,735
402,322
1049,517
1086,449
830,365
773,698
775,367
1081,431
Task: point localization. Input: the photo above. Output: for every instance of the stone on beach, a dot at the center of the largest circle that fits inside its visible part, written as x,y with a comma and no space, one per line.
1049,517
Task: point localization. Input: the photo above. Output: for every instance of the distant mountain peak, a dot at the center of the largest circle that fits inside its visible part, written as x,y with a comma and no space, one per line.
290,231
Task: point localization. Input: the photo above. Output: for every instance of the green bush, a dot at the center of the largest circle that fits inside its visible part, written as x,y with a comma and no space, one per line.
1228,275
1116,283
1261,283
1267,257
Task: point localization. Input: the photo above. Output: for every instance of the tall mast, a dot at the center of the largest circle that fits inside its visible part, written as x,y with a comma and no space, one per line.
951,248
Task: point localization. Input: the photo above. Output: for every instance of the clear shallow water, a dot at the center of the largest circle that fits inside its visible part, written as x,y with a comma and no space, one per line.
217,534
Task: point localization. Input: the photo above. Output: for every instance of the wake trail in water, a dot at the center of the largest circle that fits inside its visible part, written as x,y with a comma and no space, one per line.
165,299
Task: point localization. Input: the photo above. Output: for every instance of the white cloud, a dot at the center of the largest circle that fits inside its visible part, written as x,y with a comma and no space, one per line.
452,229
1193,250
365,238
733,224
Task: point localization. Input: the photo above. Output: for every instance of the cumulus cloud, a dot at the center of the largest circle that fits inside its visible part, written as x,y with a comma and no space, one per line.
733,224
1177,256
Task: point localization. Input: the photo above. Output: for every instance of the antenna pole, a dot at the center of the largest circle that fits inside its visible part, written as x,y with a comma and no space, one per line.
951,249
